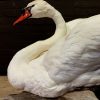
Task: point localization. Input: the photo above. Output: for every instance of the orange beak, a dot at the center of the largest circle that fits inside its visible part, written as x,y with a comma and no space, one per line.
24,16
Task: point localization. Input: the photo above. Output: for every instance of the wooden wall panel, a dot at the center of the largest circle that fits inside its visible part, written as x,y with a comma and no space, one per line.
15,38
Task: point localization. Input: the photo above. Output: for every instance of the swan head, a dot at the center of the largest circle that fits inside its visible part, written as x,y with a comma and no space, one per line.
36,9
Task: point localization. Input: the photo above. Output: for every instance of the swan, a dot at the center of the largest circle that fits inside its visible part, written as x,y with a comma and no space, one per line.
61,63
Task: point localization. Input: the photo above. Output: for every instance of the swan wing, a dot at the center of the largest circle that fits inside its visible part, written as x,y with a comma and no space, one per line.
77,54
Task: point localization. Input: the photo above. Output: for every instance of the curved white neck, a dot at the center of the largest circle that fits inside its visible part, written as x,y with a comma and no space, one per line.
60,31
34,50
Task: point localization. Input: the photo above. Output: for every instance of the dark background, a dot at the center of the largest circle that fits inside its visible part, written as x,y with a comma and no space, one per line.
15,38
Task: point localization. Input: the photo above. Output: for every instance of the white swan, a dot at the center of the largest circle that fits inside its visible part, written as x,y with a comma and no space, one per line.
61,63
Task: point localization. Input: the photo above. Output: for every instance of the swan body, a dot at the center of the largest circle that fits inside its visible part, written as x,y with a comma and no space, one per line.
65,61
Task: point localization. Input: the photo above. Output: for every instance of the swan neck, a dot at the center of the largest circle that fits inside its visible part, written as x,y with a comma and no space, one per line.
60,30
58,19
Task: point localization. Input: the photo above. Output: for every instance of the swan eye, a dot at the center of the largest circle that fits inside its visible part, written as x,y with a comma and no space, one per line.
28,8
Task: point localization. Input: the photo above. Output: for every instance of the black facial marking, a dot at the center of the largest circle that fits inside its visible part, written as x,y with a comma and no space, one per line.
29,8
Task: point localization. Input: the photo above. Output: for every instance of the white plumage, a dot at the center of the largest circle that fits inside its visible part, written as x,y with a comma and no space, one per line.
65,61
